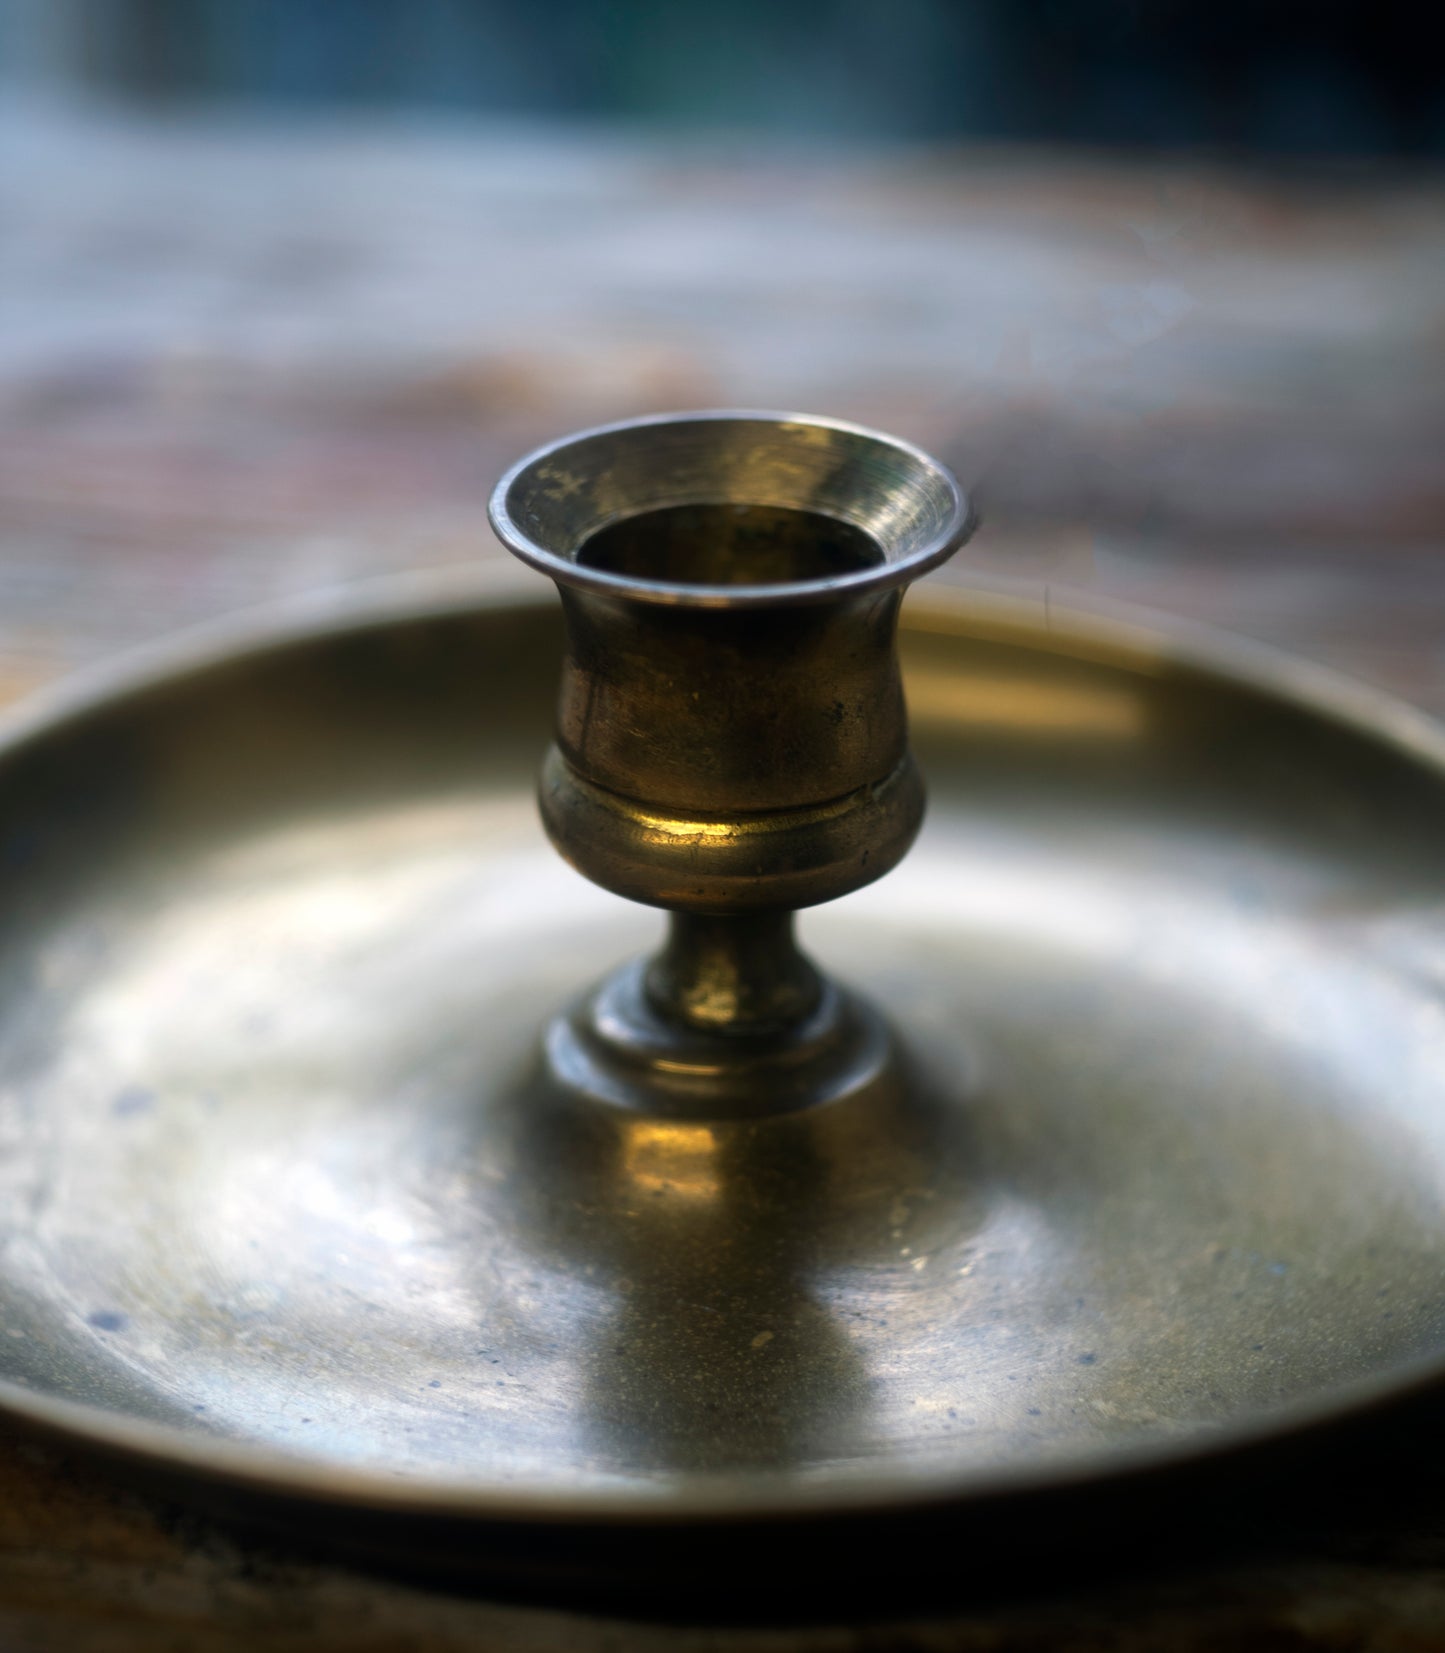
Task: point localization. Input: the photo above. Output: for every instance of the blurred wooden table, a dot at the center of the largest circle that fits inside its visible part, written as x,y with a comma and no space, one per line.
237,363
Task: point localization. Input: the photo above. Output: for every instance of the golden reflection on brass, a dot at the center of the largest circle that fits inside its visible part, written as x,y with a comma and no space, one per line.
667,1156
1024,709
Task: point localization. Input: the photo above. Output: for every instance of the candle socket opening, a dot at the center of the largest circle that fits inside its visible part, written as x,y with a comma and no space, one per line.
730,544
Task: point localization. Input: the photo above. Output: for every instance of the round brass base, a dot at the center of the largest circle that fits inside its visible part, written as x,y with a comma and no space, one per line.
293,1201
615,1048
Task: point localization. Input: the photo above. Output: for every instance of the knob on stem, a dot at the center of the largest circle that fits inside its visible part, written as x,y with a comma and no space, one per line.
731,735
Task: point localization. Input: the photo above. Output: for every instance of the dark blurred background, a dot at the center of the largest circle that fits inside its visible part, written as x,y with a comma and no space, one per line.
285,283
1285,76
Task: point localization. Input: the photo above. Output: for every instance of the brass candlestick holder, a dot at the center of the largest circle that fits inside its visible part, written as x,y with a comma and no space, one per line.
731,738
355,1182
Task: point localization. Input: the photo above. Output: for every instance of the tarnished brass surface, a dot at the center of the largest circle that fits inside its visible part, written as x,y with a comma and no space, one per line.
286,1203
731,736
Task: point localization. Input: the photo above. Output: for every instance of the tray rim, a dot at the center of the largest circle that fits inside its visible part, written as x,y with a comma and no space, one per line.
993,608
